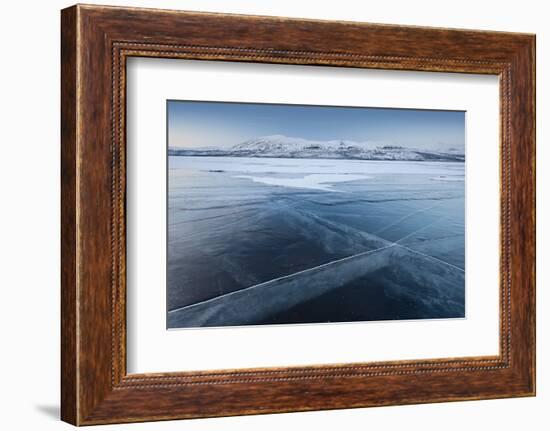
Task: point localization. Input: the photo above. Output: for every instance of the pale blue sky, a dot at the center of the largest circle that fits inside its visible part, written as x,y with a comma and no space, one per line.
220,124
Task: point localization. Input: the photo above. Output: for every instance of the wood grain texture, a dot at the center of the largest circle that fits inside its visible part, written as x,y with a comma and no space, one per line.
96,41
69,397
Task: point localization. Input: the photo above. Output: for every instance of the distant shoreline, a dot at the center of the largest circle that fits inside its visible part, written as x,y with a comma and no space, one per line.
432,158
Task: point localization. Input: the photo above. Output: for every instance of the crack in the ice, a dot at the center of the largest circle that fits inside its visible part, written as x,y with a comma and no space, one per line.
391,243
364,253
430,257
418,230
406,217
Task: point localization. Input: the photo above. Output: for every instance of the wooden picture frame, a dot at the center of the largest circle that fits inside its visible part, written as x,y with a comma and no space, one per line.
95,43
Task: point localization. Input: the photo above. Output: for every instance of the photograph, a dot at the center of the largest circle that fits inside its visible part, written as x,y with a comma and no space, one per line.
284,214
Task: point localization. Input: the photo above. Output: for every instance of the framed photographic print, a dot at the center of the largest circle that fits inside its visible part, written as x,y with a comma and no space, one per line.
264,215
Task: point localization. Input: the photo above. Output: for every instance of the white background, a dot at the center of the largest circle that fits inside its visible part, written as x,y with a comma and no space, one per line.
152,349
29,225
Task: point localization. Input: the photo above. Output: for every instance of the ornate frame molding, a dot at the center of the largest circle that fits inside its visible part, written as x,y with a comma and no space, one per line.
96,41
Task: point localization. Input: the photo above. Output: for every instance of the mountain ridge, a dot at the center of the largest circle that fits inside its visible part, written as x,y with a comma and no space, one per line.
280,146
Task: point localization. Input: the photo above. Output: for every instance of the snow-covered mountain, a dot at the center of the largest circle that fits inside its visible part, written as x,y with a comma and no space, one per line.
279,146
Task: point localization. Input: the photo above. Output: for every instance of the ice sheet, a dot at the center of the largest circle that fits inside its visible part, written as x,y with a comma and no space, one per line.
237,223
311,181
252,165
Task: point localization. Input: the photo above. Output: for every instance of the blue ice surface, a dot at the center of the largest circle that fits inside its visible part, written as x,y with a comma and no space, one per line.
229,230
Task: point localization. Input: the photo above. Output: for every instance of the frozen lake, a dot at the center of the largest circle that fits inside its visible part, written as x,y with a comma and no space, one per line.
276,241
